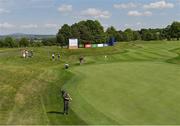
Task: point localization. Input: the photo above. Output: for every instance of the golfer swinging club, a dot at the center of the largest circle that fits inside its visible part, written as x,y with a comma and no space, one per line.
66,99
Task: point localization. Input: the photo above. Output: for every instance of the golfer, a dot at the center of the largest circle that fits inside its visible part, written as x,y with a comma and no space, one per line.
66,66
58,56
81,58
24,54
66,99
53,56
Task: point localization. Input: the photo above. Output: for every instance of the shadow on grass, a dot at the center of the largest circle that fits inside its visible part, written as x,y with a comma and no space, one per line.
54,112
58,118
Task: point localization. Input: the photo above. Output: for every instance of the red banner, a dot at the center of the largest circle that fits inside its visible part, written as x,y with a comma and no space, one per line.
88,45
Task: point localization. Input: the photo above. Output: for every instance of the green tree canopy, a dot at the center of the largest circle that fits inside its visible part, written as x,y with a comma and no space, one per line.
86,31
128,35
175,30
9,42
1,43
64,34
93,32
23,42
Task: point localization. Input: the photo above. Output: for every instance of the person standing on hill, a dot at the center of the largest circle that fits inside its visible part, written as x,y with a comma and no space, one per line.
58,56
66,98
53,56
26,53
81,58
66,66
31,53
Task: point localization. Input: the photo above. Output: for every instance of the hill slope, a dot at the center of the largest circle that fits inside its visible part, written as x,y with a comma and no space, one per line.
142,76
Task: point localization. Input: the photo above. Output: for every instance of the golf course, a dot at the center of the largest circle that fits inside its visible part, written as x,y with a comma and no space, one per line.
130,83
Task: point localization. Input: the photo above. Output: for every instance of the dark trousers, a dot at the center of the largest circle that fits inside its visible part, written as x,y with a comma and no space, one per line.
66,106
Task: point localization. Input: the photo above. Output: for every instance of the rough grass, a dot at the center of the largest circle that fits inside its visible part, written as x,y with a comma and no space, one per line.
143,76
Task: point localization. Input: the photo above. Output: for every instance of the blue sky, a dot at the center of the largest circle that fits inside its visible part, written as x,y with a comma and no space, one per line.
47,16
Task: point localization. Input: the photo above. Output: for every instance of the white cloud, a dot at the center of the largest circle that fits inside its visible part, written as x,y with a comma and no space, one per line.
51,25
4,11
159,5
134,13
96,13
28,26
65,8
124,6
6,25
137,13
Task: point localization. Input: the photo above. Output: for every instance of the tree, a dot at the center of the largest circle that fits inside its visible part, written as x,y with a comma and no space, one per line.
37,44
93,32
128,35
146,34
86,31
49,41
9,42
75,31
61,40
120,36
175,30
23,42
96,30
64,34
165,33
85,34
136,35
112,32
1,43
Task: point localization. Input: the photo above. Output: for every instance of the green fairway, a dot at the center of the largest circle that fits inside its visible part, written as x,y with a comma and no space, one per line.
127,93
138,83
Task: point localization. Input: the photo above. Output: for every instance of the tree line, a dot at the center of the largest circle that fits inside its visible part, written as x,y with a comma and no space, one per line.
93,32
11,42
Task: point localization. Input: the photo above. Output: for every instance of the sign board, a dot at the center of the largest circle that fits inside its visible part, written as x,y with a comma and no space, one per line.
88,45
94,45
73,43
105,45
111,41
81,45
100,45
